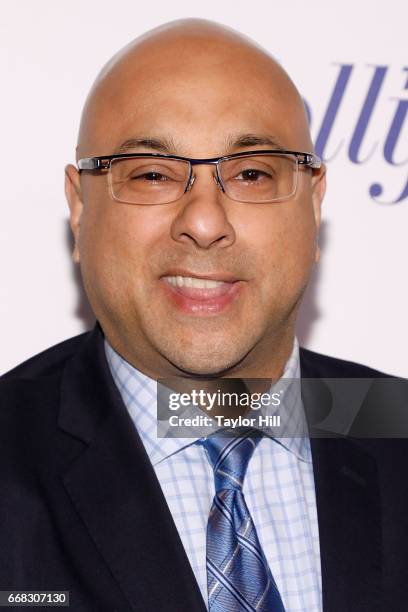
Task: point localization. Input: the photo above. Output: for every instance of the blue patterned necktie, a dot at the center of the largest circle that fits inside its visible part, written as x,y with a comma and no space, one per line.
238,574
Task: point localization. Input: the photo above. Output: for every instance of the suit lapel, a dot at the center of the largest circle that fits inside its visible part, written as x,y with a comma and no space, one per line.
348,506
116,493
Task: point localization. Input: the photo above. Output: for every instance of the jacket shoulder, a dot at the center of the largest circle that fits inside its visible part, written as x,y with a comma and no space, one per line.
30,392
317,365
48,362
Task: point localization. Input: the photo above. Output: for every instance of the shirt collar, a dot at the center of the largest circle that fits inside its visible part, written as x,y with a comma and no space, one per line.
139,394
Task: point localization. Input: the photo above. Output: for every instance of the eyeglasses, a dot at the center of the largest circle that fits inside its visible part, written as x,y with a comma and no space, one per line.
253,176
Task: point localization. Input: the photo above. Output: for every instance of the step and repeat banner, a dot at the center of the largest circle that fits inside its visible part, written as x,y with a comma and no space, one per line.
350,63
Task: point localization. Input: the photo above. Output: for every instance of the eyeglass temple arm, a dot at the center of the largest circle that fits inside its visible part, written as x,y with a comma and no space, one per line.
92,163
310,160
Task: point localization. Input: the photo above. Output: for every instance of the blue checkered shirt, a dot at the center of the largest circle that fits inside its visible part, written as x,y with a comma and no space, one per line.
278,488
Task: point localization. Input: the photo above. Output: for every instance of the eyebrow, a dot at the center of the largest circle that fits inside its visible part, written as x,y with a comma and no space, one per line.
169,146
253,140
162,145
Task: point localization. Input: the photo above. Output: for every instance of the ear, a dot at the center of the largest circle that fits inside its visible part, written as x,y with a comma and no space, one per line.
74,198
318,191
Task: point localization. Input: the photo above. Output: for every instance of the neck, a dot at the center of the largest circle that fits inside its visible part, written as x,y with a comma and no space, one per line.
255,375
266,360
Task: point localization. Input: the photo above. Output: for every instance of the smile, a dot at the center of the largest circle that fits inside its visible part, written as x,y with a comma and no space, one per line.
200,296
192,281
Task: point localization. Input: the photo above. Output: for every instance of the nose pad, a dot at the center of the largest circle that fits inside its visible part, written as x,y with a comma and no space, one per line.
191,182
218,183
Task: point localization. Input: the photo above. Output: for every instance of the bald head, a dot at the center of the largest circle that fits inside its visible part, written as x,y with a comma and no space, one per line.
189,55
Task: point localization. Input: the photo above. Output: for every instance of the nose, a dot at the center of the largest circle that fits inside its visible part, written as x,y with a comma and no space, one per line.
202,218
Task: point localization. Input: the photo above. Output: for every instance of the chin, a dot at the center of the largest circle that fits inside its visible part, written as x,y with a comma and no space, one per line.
210,352
209,364
206,371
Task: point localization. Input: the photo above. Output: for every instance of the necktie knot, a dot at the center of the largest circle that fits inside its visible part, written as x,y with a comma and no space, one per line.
229,458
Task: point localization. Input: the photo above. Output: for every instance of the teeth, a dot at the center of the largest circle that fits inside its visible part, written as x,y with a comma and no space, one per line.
196,283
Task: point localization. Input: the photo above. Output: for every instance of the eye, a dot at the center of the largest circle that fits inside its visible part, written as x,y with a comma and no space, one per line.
252,175
154,177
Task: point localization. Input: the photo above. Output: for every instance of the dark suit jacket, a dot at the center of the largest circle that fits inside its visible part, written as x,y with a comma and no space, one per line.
81,508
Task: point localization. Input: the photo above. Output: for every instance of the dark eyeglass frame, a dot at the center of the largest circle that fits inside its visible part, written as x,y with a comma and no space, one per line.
308,160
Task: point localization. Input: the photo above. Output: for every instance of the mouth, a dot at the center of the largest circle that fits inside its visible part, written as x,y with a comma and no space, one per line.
201,295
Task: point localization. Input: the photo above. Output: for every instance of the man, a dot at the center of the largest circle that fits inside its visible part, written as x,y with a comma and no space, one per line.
193,270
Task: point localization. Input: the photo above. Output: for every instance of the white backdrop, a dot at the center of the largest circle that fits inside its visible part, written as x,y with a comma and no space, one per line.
350,53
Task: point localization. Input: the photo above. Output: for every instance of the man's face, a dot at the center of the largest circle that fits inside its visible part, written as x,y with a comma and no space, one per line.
264,251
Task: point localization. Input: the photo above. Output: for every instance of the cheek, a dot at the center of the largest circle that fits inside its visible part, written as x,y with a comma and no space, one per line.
115,242
285,249
297,239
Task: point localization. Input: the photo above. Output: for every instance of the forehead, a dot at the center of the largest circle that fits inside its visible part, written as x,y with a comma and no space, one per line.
198,102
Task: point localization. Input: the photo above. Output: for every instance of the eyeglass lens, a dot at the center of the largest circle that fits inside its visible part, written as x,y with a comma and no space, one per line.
143,180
